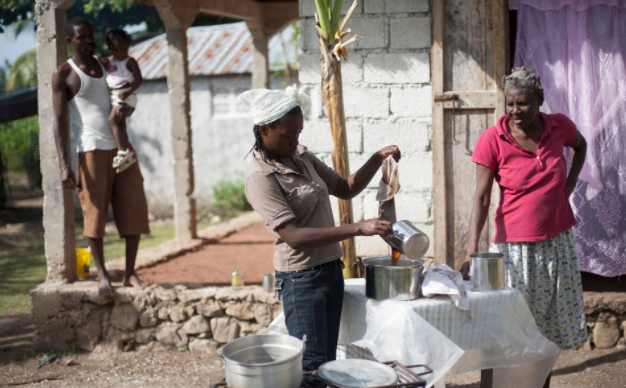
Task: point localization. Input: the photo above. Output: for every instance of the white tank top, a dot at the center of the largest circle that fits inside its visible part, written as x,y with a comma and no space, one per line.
118,73
89,110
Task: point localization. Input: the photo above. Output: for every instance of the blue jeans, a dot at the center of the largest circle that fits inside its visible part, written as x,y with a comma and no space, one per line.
312,300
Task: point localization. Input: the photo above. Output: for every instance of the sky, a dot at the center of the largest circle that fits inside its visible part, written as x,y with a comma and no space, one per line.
11,48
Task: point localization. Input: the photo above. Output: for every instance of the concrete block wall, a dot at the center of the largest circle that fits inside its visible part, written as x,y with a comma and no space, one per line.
387,98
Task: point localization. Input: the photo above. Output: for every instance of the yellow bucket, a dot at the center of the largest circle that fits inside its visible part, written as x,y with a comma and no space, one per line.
83,259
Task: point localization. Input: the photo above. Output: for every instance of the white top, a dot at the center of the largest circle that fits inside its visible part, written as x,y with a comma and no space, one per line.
89,110
118,73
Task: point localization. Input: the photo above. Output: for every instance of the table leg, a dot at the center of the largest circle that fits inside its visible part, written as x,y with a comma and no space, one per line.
486,378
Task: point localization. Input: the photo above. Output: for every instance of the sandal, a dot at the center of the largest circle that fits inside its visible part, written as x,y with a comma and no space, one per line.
124,160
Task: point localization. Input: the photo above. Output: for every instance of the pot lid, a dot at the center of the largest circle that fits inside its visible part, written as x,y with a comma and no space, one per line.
357,373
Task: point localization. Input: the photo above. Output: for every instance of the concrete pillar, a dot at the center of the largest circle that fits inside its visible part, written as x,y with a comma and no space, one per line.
177,18
260,64
58,207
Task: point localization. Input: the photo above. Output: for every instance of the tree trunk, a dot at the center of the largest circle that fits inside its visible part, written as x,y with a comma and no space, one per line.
332,94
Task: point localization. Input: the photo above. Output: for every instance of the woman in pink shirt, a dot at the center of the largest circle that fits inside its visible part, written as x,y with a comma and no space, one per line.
524,154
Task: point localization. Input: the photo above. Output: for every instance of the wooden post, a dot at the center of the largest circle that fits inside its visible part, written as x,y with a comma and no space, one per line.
440,205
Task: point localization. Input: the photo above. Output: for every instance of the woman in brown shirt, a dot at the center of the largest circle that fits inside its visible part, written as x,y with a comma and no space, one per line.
290,188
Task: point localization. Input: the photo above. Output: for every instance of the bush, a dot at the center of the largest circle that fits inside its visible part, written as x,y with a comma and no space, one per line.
19,145
229,197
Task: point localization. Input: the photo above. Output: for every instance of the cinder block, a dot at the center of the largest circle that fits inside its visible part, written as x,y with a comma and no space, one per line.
374,30
357,208
307,7
374,6
411,102
366,102
397,68
416,171
410,33
352,69
308,35
371,246
412,206
410,135
317,137
397,6
309,72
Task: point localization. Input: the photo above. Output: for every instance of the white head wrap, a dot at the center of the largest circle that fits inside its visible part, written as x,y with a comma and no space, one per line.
270,105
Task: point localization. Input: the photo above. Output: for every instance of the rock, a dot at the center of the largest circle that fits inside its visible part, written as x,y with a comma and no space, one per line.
240,310
196,325
147,319
187,296
210,309
167,336
225,329
190,310
88,336
71,301
247,328
204,346
124,317
596,302
144,336
165,294
95,297
164,313
606,332
178,314
184,340
263,314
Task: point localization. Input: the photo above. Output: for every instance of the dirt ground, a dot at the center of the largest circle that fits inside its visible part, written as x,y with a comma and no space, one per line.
251,250
159,367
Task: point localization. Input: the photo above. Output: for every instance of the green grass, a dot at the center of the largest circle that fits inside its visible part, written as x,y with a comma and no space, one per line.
23,262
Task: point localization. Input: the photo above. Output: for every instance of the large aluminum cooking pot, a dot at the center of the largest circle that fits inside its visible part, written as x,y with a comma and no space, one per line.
264,361
383,280
487,271
408,240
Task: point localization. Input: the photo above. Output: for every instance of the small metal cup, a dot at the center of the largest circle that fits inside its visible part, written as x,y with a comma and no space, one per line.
487,271
269,280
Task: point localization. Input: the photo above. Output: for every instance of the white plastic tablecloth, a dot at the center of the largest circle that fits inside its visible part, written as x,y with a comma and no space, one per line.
497,332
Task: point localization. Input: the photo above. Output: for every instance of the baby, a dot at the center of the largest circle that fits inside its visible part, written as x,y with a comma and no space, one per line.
124,78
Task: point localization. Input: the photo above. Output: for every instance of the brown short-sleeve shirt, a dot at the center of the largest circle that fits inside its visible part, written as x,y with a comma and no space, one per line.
280,195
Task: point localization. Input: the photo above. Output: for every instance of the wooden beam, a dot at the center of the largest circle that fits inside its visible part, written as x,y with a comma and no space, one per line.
440,207
469,100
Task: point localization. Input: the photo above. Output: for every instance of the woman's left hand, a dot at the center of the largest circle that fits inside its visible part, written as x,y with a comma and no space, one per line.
390,150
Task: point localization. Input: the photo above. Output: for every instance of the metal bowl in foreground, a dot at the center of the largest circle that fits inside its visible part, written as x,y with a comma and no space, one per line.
487,271
263,361
402,281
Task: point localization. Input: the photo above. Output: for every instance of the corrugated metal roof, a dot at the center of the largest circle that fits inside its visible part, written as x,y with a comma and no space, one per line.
214,50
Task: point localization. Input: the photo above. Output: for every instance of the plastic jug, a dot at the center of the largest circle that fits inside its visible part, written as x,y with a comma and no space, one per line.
83,259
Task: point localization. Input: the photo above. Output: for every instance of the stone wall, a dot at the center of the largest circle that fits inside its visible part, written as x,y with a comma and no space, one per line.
387,98
606,319
203,319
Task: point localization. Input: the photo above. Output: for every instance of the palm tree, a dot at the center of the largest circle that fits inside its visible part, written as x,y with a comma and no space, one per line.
23,72
330,35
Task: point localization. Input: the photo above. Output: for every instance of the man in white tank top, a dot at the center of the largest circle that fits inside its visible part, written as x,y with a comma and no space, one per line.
79,84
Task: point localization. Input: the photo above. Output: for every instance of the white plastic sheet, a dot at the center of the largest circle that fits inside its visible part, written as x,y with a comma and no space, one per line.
498,331
443,280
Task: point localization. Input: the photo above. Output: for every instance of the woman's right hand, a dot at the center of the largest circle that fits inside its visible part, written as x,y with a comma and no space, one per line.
374,227
465,268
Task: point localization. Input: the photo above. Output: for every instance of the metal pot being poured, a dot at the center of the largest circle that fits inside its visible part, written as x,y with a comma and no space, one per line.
408,240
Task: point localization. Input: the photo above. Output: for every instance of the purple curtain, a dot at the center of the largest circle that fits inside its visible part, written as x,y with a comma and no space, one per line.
578,47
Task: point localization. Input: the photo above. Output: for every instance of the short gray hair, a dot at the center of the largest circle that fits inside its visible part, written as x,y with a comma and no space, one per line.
523,78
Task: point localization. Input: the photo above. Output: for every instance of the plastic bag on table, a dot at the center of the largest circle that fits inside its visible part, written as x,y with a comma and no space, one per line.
443,280
386,319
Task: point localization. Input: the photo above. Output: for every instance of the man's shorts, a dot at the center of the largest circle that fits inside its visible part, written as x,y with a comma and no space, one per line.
98,185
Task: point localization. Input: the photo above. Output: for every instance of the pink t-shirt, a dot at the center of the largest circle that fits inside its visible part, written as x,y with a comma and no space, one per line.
533,199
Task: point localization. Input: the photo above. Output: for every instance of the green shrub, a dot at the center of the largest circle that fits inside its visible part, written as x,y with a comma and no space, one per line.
229,197
19,143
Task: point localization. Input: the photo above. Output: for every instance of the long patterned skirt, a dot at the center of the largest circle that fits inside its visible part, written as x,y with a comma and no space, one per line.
546,272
